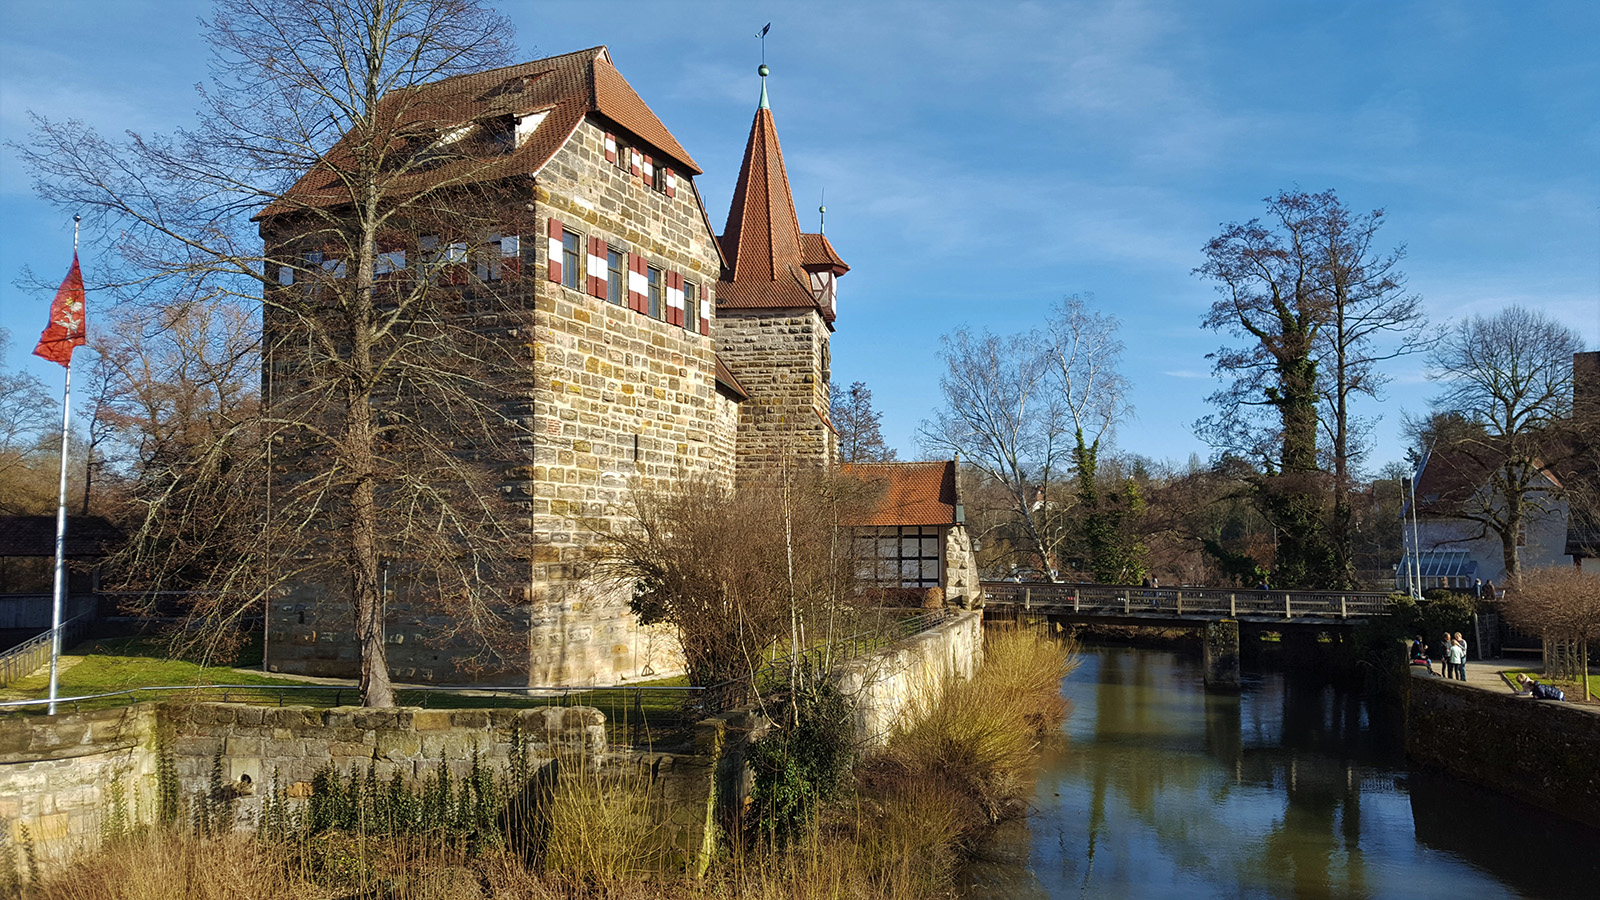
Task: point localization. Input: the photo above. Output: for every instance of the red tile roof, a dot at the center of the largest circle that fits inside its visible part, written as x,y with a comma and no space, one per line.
815,250
567,88
914,493
729,383
766,253
1450,476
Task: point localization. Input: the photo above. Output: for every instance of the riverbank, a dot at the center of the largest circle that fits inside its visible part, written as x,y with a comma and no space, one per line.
960,762
1544,752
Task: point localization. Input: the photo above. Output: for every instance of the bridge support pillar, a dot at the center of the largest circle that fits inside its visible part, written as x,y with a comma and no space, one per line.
1221,658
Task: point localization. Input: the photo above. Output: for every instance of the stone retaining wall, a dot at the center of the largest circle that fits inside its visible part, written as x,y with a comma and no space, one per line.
1541,751
62,776
907,678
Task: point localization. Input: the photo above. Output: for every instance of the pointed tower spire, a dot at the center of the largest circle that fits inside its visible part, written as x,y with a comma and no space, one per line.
762,237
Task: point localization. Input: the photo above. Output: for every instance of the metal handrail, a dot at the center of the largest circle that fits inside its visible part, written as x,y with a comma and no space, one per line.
527,693
24,659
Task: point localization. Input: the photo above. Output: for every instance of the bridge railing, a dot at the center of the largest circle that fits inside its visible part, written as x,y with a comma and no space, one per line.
1108,599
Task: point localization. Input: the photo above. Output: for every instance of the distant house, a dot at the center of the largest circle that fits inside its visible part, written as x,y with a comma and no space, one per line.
915,536
1453,550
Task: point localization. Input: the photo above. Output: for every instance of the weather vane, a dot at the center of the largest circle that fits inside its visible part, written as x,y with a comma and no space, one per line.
763,36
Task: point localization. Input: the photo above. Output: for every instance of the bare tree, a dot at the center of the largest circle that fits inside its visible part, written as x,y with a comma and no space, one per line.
316,123
1510,375
1562,603
1005,418
1371,319
1271,278
734,574
1084,356
25,419
857,424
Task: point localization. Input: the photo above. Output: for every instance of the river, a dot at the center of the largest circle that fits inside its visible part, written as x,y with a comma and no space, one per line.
1291,788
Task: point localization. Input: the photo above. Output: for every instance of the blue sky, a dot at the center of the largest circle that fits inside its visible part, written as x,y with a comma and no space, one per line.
983,159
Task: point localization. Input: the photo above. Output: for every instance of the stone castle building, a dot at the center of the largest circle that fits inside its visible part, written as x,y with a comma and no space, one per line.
659,350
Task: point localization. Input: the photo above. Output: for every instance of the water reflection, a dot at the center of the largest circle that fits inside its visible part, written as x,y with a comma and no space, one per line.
1290,789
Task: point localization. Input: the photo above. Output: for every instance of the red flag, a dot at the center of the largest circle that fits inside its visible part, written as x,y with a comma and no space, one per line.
67,328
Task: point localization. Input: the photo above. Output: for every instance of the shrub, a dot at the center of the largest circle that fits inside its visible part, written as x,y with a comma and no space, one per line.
803,761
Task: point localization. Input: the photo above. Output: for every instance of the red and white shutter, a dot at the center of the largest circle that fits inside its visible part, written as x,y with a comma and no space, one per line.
675,298
638,283
649,170
597,267
672,183
705,312
635,162
611,147
553,265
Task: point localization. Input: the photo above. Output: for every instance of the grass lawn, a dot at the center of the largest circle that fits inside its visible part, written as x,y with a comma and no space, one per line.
1573,691
137,664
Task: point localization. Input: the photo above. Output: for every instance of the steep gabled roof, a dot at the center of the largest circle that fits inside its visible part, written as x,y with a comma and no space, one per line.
766,253
565,88
1451,476
913,493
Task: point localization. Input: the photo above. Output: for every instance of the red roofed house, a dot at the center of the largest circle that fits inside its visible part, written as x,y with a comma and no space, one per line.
658,348
916,535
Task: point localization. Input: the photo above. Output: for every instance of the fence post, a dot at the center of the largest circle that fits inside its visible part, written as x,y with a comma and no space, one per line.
1344,612
1233,606
1075,597
1180,603
1027,598
1125,599
1287,613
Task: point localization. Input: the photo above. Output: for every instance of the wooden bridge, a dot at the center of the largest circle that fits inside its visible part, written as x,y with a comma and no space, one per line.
1220,614
1192,606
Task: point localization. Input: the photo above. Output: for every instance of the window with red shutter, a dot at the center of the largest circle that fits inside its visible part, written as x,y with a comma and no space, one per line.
553,260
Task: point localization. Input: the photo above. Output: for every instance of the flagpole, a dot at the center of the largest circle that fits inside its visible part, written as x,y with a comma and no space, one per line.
61,520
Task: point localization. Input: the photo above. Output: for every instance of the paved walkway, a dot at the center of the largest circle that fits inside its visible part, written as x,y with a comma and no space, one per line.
1485,674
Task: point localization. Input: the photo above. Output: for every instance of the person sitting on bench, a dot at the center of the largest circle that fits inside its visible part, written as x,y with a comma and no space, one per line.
1419,655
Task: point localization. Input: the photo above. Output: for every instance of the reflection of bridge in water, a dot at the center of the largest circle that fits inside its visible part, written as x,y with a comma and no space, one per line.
1299,616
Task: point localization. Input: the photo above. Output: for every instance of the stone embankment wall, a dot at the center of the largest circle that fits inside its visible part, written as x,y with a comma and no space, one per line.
65,778
906,679
1541,751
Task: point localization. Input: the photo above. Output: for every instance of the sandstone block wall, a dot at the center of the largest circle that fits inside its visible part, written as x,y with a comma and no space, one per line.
1541,751
615,398
906,679
623,399
781,357
960,570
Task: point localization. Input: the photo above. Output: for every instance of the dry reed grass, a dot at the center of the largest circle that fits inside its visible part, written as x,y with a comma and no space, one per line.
943,780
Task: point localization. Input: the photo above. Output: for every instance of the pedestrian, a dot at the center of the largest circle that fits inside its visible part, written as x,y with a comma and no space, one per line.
1419,655
1489,591
1477,588
1456,653
1446,658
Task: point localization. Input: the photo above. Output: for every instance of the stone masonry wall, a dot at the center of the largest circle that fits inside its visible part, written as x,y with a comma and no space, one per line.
960,570
782,358
624,400
1541,751
616,399
62,776
59,775
906,679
